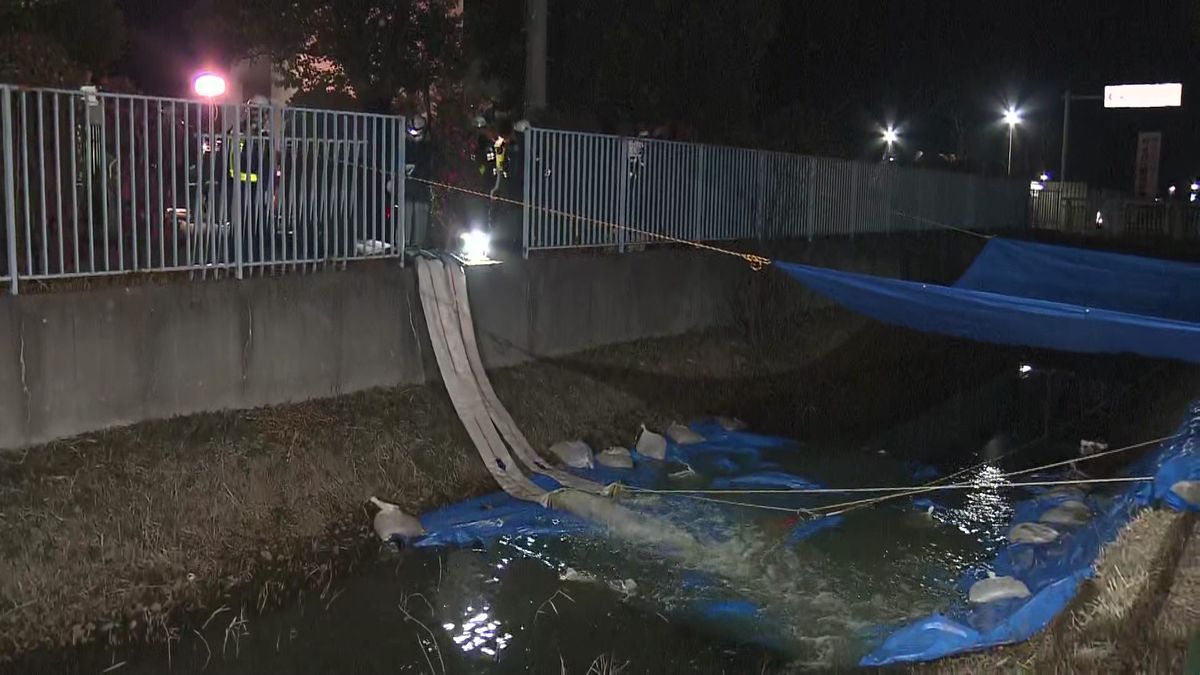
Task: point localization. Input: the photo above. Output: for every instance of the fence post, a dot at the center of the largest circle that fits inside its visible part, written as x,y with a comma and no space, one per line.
810,171
399,197
855,178
760,179
531,138
10,188
236,216
623,194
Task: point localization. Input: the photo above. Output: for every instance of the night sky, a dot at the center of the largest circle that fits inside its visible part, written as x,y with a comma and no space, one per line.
895,61
920,64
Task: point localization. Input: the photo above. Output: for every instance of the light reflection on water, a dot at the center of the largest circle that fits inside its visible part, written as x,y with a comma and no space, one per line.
533,602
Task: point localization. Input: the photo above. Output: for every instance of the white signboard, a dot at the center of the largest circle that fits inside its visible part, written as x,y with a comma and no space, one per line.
1169,95
1145,176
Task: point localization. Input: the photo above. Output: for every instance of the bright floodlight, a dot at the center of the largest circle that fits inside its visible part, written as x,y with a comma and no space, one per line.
475,245
1012,117
890,135
1044,177
208,85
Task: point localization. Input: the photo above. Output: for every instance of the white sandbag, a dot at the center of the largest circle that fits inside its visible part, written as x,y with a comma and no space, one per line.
1188,491
651,445
923,519
575,454
391,523
731,423
615,458
1070,512
997,588
1032,533
1069,492
682,435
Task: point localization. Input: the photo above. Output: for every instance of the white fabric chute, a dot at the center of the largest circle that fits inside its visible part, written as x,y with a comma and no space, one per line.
445,332
447,310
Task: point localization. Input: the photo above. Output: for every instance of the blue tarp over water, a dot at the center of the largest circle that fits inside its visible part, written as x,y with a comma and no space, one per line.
1054,297
1053,571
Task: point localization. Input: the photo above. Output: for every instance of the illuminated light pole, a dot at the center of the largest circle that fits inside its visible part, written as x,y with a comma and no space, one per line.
890,137
1012,117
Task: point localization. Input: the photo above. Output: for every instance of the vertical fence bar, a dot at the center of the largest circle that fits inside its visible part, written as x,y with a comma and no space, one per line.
91,169
239,173
10,187
334,223
174,224
133,193
161,215
207,240
58,204
291,149
74,184
309,187
117,177
527,188
265,172
147,221
41,138
28,229
323,207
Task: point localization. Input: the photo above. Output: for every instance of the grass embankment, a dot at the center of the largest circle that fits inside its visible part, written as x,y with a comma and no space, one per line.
136,532
142,532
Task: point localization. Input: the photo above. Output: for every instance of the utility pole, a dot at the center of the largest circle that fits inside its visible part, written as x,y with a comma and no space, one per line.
535,56
1067,98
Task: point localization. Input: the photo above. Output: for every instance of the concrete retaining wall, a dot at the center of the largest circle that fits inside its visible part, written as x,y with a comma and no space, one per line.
78,361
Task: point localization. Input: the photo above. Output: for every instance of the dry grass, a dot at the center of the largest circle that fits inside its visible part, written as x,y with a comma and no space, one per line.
1124,568
111,530
136,532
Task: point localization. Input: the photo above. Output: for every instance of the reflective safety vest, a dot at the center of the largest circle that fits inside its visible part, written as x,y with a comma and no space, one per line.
498,154
249,173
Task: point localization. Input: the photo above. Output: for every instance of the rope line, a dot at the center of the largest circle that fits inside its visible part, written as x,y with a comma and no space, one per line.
931,487
814,512
757,262
944,225
837,509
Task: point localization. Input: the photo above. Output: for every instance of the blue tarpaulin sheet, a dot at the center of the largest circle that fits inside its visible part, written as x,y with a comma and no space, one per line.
1054,297
1052,572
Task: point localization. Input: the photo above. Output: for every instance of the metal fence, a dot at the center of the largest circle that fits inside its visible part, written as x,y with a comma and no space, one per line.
593,190
102,184
1074,208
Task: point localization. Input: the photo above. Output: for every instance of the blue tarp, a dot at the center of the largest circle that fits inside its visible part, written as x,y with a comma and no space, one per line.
485,520
1052,572
1055,297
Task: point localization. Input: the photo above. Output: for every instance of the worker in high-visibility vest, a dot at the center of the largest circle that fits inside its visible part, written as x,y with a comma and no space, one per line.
417,194
252,143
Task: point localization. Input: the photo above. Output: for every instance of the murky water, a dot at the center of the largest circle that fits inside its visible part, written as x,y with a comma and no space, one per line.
745,601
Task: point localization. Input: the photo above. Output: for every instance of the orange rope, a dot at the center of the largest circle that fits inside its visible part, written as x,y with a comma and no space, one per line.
756,262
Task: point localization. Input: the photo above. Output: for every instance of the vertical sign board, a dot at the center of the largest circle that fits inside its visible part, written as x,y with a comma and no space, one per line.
1145,177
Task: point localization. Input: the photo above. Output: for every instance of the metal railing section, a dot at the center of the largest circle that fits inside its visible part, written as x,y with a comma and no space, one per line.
593,190
97,184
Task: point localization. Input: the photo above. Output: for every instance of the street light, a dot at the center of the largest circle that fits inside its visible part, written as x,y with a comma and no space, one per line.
890,137
1012,117
208,85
